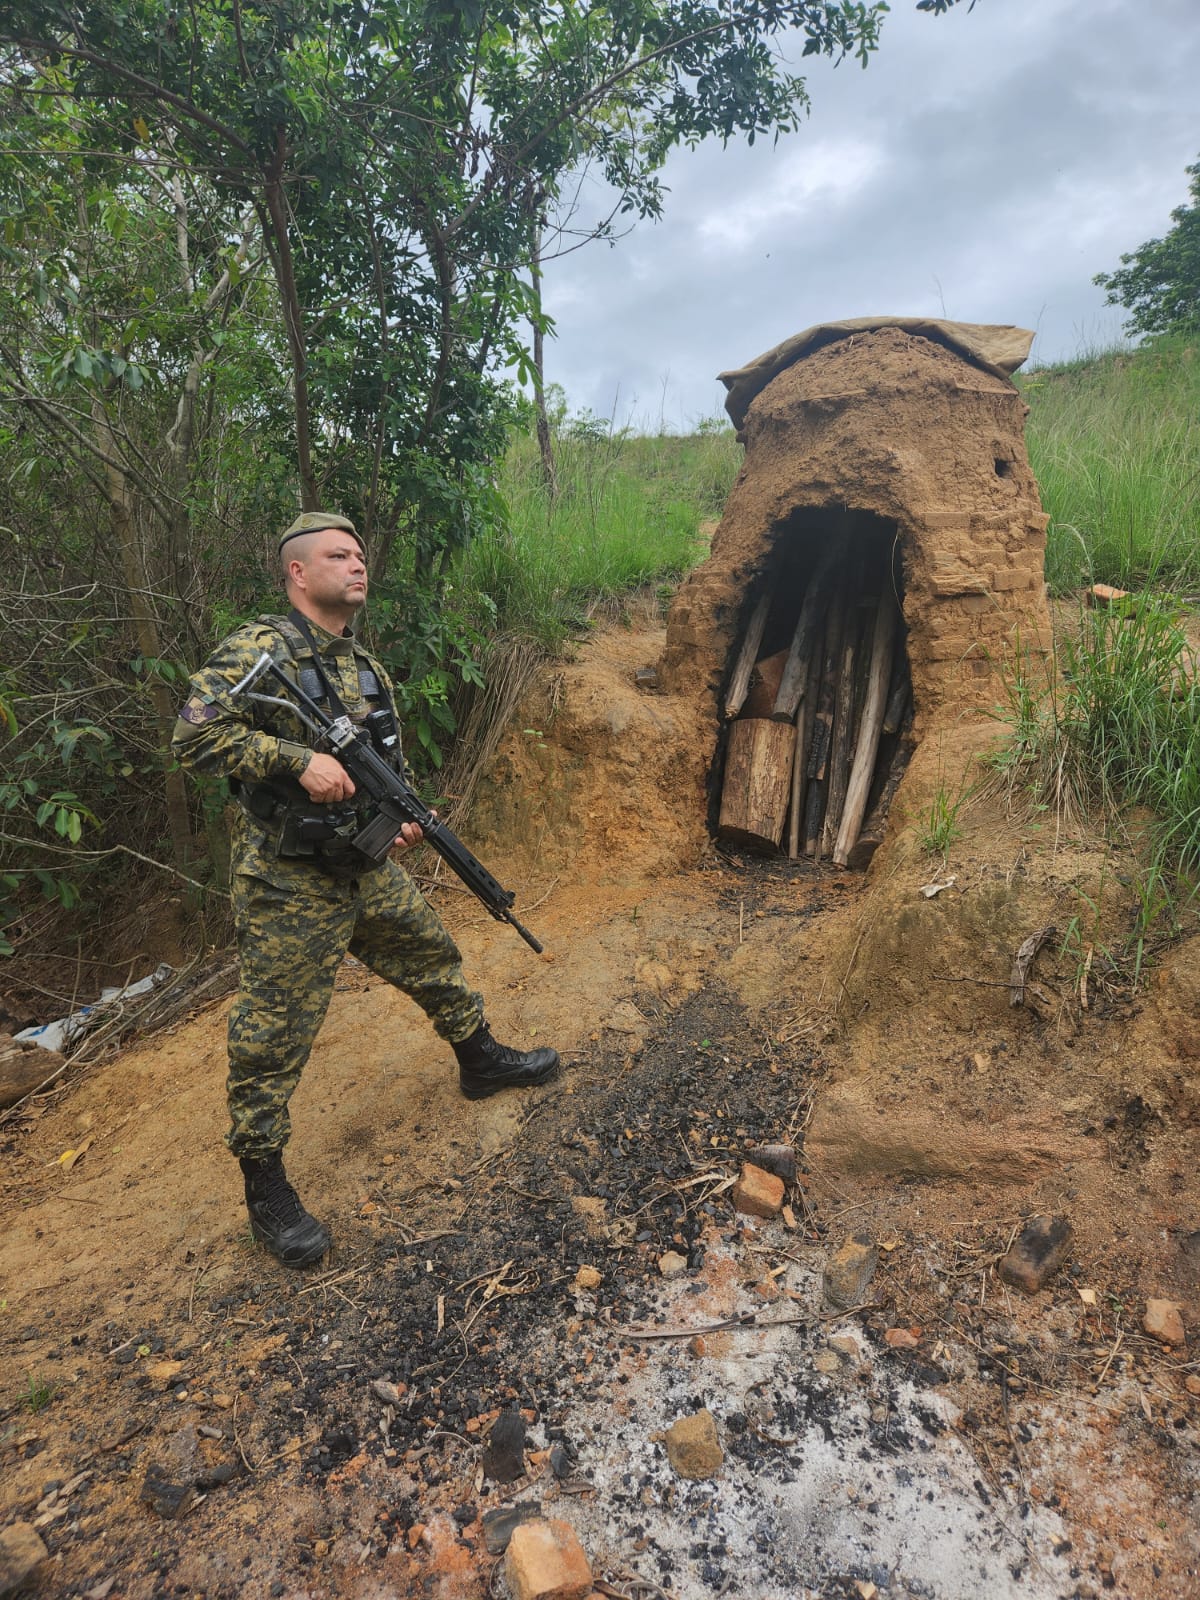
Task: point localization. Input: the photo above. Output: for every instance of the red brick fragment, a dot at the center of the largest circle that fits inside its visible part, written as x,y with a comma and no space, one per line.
545,1561
758,1193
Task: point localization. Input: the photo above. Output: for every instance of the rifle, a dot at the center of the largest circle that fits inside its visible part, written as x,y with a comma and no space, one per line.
397,801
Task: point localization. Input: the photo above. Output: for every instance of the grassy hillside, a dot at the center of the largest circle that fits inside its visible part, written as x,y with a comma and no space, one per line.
1114,440
627,513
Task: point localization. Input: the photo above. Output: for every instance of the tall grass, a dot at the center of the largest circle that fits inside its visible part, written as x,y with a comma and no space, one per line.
1114,441
1115,731
628,513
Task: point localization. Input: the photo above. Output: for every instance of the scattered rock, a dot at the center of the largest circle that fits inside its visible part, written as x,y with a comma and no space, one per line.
164,1372
758,1193
827,1361
545,1561
646,679
779,1159
588,1278
902,1338
500,1523
1039,1251
1192,1383
163,1492
671,1263
848,1274
21,1553
23,1066
697,1345
390,1393
625,1018
693,1448
504,1452
1103,594
846,1346
1163,1320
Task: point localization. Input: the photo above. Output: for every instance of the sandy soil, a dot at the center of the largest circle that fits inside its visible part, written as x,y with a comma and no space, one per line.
1025,1446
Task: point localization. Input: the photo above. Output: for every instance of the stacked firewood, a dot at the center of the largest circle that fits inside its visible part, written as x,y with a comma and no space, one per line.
819,736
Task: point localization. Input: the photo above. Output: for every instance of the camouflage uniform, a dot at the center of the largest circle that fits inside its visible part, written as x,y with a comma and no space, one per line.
297,915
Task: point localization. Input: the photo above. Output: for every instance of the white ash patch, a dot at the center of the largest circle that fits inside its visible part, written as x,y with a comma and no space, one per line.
829,1479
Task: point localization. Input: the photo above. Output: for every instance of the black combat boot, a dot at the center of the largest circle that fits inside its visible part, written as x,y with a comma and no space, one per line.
277,1217
485,1067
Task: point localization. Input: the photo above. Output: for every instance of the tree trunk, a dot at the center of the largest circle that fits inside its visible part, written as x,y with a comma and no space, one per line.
293,321
145,626
545,442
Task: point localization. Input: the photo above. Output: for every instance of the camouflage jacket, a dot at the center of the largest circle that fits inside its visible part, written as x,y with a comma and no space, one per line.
251,745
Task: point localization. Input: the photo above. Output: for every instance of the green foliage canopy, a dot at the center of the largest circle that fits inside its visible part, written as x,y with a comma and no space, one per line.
1159,283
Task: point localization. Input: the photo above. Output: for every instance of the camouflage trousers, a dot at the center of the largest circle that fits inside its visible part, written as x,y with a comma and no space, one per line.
294,925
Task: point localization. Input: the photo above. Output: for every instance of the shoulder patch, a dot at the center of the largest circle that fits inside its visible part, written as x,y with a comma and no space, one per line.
197,710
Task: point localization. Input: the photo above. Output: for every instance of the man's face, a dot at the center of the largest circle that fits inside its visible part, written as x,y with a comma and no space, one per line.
329,568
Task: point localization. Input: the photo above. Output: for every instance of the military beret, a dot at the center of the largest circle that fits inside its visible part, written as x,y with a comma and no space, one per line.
317,522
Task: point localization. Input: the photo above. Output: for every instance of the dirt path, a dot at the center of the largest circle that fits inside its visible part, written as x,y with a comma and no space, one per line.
180,1416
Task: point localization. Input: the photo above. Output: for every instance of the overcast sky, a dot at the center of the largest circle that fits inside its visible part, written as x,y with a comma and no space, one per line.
984,167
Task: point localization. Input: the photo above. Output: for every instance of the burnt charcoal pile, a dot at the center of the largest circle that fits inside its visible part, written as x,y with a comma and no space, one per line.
819,700
369,1392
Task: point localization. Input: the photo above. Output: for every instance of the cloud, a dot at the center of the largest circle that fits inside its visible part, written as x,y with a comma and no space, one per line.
985,166
803,186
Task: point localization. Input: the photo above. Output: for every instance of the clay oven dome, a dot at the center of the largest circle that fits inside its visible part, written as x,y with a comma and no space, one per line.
892,449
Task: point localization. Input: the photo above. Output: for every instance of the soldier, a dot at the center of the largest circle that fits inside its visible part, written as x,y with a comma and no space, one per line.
302,895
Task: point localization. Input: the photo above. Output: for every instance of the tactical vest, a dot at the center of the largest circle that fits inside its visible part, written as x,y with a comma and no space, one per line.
296,825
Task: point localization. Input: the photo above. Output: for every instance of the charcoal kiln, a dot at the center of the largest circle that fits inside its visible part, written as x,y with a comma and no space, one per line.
881,557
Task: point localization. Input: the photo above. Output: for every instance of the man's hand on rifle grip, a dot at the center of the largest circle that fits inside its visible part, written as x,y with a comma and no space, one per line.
325,779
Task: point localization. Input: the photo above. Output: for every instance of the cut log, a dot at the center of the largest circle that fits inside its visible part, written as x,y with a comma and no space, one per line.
818,757
870,728
758,782
844,726
793,683
739,684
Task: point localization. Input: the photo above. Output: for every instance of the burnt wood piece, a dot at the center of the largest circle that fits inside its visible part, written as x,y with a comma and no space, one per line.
758,782
897,704
869,730
844,725
804,727
874,828
818,780
739,684
806,639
